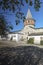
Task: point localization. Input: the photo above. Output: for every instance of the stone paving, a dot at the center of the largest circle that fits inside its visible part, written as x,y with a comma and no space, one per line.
21,55
13,53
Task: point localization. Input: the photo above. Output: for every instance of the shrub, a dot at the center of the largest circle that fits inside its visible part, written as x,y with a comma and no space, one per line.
41,42
30,41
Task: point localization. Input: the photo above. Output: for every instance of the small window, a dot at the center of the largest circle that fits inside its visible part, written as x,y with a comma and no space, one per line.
41,38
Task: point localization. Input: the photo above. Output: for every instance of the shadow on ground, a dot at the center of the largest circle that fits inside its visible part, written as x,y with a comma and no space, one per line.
23,55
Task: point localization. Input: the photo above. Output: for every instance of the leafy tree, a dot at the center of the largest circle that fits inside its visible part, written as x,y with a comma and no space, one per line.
4,26
16,5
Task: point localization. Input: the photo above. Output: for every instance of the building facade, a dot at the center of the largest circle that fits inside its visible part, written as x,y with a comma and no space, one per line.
29,30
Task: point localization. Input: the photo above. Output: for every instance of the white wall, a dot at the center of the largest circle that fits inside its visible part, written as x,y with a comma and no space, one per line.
36,38
15,37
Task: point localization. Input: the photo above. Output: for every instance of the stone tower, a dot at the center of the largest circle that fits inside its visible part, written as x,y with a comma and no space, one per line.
29,20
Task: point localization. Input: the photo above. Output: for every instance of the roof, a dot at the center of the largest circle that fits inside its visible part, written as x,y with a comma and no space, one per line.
29,15
17,32
36,28
35,34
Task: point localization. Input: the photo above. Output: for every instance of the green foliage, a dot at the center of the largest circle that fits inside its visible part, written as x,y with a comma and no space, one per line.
37,5
16,6
41,42
30,41
30,3
4,26
26,1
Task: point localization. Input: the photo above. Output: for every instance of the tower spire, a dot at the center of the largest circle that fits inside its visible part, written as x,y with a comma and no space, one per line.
29,15
29,19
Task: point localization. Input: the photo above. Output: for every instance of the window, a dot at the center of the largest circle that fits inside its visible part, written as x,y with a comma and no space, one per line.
41,38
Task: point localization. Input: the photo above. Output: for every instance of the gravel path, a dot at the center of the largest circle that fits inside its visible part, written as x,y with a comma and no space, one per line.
21,55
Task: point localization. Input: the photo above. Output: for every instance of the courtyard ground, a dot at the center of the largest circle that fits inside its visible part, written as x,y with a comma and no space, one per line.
15,44
13,53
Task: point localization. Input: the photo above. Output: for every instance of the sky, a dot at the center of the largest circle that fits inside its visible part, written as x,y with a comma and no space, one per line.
37,15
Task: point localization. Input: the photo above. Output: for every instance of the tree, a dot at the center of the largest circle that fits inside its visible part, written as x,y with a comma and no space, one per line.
16,5
4,26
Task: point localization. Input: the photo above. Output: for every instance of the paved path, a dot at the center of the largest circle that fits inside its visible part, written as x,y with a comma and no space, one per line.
15,44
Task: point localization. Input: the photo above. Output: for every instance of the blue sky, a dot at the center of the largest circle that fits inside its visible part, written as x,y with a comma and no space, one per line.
37,15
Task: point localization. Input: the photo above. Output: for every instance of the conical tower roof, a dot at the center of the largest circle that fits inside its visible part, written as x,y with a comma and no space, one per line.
29,15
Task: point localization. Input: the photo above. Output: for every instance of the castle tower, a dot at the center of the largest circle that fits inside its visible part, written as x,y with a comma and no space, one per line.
29,20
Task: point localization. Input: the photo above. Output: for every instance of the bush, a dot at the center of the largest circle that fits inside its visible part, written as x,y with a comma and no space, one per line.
30,41
41,42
